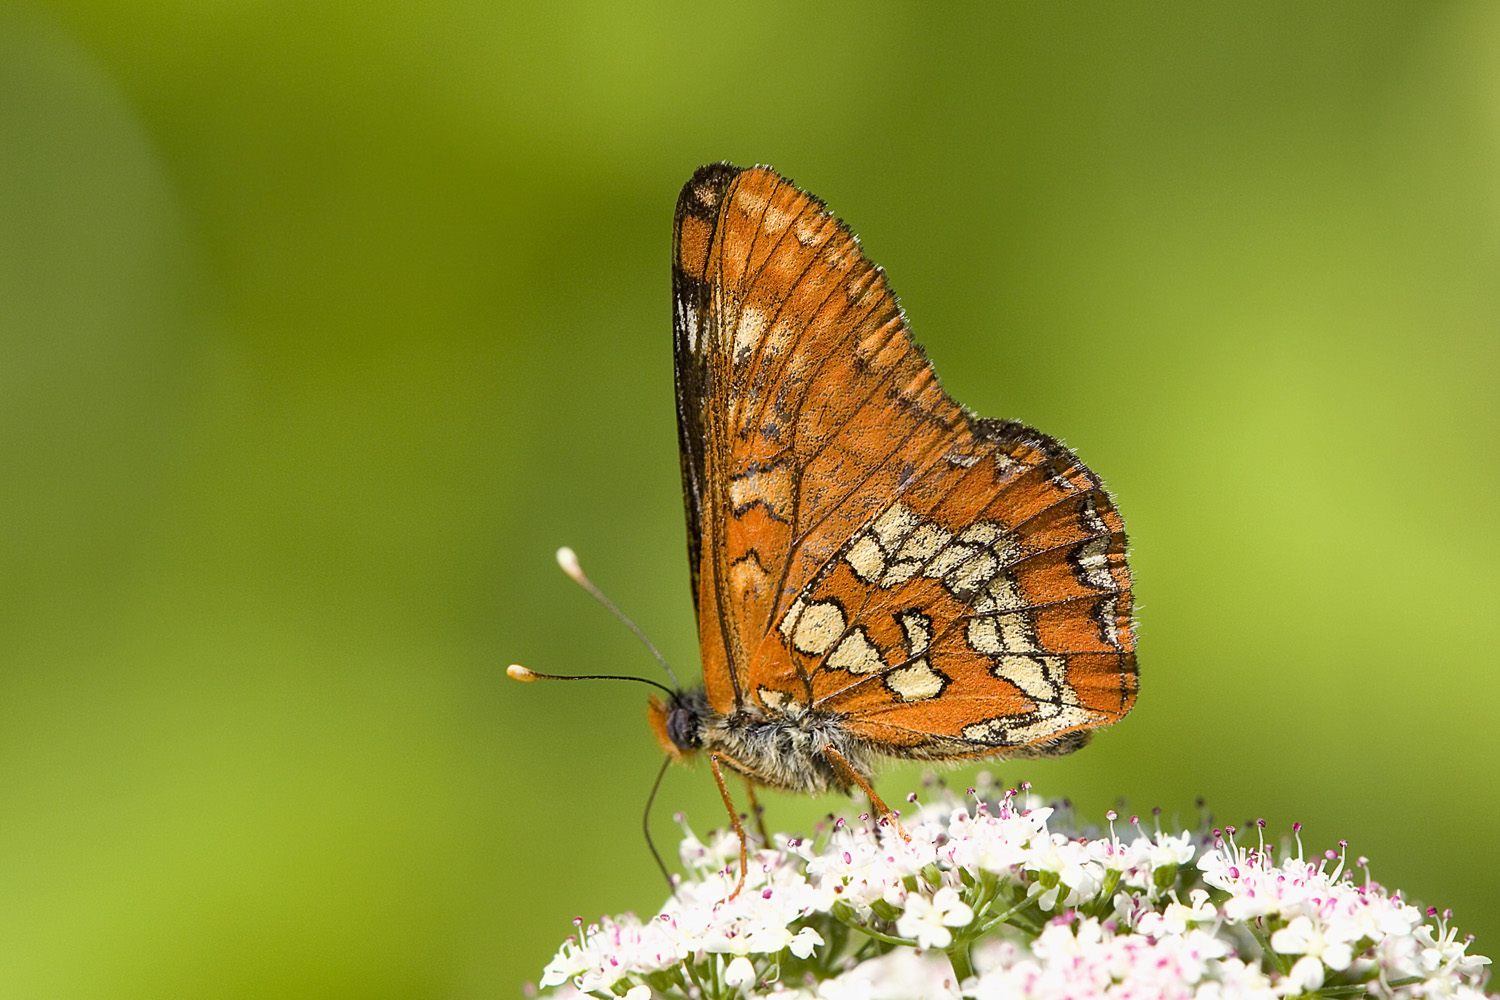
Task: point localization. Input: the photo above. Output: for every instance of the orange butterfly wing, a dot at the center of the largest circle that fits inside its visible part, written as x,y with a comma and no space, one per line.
859,543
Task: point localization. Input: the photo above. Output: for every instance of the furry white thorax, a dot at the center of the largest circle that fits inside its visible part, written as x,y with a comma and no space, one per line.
780,749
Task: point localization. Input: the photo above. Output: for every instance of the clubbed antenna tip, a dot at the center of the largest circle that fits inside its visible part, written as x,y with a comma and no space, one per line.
567,560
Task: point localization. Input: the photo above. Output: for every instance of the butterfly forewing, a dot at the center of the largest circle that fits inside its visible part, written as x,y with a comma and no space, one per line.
859,543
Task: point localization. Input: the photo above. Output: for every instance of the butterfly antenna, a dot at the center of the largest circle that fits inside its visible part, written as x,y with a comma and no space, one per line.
516,672
567,559
646,826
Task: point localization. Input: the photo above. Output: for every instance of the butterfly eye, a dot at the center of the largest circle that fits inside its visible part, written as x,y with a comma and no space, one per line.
682,728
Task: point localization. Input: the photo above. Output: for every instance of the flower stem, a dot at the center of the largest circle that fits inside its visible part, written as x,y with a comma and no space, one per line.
845,915
1003,916
958,955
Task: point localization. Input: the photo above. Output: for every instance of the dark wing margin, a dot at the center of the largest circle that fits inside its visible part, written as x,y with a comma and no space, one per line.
693,228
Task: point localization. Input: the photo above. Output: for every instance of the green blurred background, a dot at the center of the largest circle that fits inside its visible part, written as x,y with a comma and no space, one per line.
322,326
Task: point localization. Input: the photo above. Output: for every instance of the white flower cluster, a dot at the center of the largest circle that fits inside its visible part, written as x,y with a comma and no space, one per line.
987,900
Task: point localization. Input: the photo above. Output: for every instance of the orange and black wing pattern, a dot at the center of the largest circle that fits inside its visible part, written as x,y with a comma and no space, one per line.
860,544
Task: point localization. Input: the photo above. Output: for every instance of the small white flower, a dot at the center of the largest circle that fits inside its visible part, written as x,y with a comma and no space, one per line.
569,962
1077,872
801,895
1175,917
1308,974
1439,951
927,922
739,973
804,941
1304,937
1172,850
908,857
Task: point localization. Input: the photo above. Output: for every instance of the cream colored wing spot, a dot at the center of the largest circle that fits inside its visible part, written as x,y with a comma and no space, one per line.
687,320
1063,717
1090,518
769,485
813,628
1044,679
1055,709
868,554
749,332
960,560
982,533
1034,676
808,229
1001,633
899,545
895,524
707,194
999,594
1091,564
856,654
916,682
789,620
918,630
1033,727
779,701
960,458
776,217
974,558
965,545
920,548
748,581
988,731
865,558
1107,614
963,570
750,201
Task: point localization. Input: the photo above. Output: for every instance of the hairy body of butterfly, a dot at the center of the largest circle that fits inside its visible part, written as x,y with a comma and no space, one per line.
793,749
877,572
786,750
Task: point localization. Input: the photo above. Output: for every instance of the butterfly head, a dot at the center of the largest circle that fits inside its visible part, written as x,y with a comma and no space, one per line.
678,722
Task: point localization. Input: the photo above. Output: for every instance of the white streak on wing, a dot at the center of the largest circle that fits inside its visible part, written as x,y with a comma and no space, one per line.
1093,560
749,331
687,318
1065,717
1092,519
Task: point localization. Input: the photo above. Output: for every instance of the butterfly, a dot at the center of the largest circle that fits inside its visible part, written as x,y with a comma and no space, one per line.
876,571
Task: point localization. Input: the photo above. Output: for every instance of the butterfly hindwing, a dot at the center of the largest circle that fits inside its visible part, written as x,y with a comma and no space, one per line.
859,543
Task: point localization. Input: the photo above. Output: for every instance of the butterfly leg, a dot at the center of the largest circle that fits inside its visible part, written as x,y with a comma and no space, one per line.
846,770
734,819
758,811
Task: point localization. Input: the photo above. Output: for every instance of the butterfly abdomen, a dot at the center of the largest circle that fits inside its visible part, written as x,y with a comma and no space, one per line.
779,749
